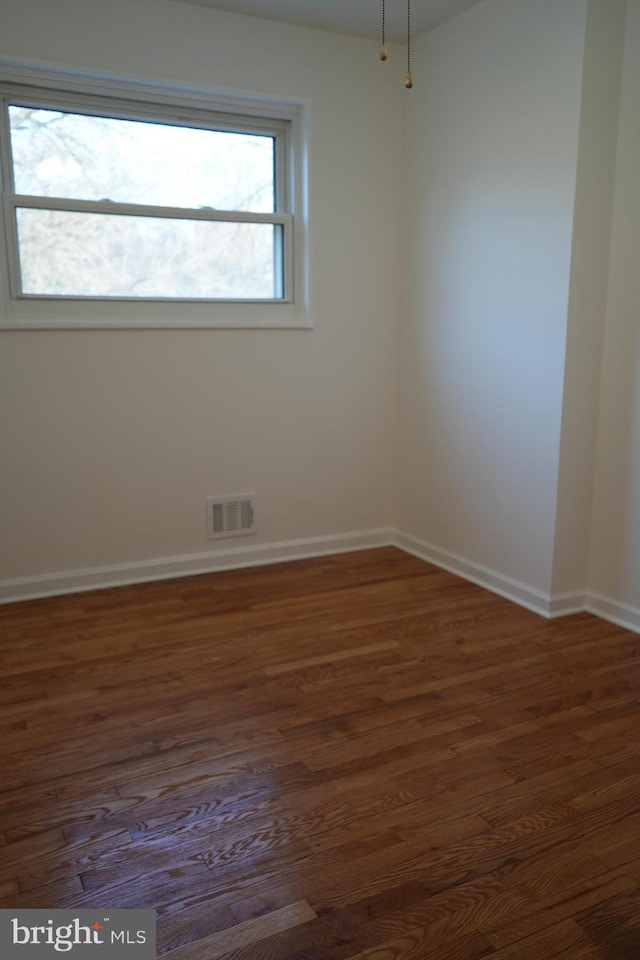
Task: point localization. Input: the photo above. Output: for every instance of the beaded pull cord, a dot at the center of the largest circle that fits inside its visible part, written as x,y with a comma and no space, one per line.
408,80
383,45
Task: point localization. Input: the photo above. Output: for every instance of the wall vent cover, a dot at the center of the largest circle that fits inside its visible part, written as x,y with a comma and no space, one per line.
233,516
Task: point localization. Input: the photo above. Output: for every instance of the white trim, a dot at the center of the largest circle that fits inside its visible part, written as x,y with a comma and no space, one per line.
622,614
507,587
165,568
565,604
237,558
158,315
550,606
100,83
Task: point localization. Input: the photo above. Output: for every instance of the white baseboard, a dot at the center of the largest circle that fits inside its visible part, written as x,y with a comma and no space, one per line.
165,568
529,597
234,558
622,614
564,604
547,605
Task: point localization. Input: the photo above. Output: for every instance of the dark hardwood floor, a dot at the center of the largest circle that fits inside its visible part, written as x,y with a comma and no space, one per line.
358,756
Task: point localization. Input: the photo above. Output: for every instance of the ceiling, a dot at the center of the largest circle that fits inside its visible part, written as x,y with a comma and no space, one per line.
359,17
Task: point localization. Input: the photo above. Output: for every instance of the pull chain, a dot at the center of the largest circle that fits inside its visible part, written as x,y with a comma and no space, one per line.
408,80
383,45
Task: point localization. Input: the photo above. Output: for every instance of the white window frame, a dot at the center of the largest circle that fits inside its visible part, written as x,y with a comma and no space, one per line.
123,99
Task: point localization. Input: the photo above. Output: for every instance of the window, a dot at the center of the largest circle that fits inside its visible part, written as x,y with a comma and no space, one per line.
121,204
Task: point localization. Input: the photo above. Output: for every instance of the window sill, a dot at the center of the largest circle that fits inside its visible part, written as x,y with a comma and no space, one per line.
176,315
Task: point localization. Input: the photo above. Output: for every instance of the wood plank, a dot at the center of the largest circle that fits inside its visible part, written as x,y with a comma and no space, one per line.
335,657
587,894
566,937
233,938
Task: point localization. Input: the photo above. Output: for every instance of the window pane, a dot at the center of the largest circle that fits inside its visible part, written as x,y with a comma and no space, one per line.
58,154
64,253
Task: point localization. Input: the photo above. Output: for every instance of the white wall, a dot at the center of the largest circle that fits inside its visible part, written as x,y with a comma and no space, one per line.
614,568
511,259
493,145
112,439
588,292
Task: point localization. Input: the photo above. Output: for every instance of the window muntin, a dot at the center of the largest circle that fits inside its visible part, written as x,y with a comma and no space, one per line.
69,215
